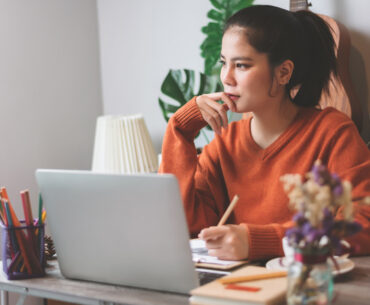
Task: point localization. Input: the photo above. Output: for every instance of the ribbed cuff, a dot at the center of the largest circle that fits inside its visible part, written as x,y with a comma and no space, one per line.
189,118
264,242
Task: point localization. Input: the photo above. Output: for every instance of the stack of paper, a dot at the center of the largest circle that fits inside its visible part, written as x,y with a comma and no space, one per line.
123,145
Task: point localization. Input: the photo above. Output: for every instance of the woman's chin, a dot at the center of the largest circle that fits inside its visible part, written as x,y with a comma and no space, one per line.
241,110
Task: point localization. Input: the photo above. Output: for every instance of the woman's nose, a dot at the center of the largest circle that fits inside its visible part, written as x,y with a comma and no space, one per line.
227,76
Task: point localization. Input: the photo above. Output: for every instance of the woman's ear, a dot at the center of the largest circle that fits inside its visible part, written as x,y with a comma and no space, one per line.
284,71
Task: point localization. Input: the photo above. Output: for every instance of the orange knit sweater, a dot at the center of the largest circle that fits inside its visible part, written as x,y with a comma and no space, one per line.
234,164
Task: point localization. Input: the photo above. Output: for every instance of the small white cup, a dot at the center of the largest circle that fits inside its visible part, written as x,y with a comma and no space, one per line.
288,250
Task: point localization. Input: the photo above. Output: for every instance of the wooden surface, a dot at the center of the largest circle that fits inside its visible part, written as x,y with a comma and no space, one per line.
352,288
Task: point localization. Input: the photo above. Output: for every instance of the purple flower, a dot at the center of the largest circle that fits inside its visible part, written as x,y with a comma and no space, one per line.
320,174
338,190
294,235
336,185
299,218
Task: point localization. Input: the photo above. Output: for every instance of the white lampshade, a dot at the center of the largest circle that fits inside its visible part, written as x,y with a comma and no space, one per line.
123,145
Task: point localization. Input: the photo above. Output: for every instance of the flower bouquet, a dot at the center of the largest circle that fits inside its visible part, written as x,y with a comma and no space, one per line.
324,217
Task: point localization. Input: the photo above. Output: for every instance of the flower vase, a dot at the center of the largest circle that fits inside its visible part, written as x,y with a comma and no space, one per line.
310,280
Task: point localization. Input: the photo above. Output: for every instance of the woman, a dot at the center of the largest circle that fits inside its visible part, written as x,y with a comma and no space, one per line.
275,64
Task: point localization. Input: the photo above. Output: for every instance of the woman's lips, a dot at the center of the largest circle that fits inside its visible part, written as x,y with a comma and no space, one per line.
233,97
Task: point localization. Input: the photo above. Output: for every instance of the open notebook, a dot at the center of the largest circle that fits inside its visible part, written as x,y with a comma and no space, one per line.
119,229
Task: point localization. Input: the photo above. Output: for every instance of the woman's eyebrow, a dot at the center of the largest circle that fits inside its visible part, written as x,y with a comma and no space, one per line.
244,58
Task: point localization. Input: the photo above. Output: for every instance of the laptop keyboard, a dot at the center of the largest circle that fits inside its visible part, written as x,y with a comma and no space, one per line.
206,276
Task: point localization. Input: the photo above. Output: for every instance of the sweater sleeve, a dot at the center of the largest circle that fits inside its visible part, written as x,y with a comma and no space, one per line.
265,240
201,181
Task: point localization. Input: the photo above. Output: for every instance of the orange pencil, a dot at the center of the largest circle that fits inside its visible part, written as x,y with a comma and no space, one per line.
25,195
27,207
246,278
3,208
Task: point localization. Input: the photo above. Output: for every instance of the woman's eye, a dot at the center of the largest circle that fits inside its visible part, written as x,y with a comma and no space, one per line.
242,66
222,62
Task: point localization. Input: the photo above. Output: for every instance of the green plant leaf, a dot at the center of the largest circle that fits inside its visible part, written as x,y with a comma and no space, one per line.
212,41
213,30
219,4
212,27
209,63
215,15
173,86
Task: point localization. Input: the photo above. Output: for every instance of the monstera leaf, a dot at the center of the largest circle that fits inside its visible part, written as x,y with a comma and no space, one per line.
211,46
179,86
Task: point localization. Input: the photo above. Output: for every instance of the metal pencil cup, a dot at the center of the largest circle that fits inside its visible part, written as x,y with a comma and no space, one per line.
23,251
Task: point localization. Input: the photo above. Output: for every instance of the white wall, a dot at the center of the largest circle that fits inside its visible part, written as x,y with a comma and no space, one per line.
50,93
141,40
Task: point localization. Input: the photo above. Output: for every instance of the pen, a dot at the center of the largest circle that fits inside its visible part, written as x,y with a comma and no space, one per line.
255,277
228,211
244,288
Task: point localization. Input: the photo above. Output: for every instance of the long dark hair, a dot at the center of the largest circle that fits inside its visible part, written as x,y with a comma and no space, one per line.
302,37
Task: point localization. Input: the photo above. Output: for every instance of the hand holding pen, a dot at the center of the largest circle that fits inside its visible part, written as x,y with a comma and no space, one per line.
228,242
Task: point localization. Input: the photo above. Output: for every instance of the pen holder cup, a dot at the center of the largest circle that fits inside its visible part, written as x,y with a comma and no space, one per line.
23,251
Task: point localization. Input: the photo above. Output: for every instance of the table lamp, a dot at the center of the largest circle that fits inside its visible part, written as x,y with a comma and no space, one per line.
123,145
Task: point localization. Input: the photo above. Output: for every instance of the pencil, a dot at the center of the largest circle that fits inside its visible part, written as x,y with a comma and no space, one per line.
228,211
248,278
25,196
40,209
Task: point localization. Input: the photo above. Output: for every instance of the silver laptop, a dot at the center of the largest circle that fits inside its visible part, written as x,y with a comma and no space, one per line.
119,229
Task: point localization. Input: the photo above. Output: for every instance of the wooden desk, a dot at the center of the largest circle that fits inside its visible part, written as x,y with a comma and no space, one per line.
352,288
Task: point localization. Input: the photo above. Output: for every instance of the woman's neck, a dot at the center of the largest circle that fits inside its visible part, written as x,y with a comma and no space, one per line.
268,124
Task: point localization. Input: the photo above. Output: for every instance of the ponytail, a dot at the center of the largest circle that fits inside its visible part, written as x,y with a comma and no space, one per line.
319,53
302,37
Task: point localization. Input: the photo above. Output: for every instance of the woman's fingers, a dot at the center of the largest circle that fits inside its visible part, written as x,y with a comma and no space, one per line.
215,114
226,242
222,96
212,233
213,119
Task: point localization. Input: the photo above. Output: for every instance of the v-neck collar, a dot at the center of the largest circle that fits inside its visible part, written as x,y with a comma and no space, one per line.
296,124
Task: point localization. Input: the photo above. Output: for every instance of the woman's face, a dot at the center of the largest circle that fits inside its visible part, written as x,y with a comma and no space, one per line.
245,73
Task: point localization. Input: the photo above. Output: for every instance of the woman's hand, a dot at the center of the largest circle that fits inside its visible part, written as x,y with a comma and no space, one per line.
214,113
228,242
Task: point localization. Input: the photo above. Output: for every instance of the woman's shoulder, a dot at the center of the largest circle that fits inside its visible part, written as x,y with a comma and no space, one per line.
329,117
